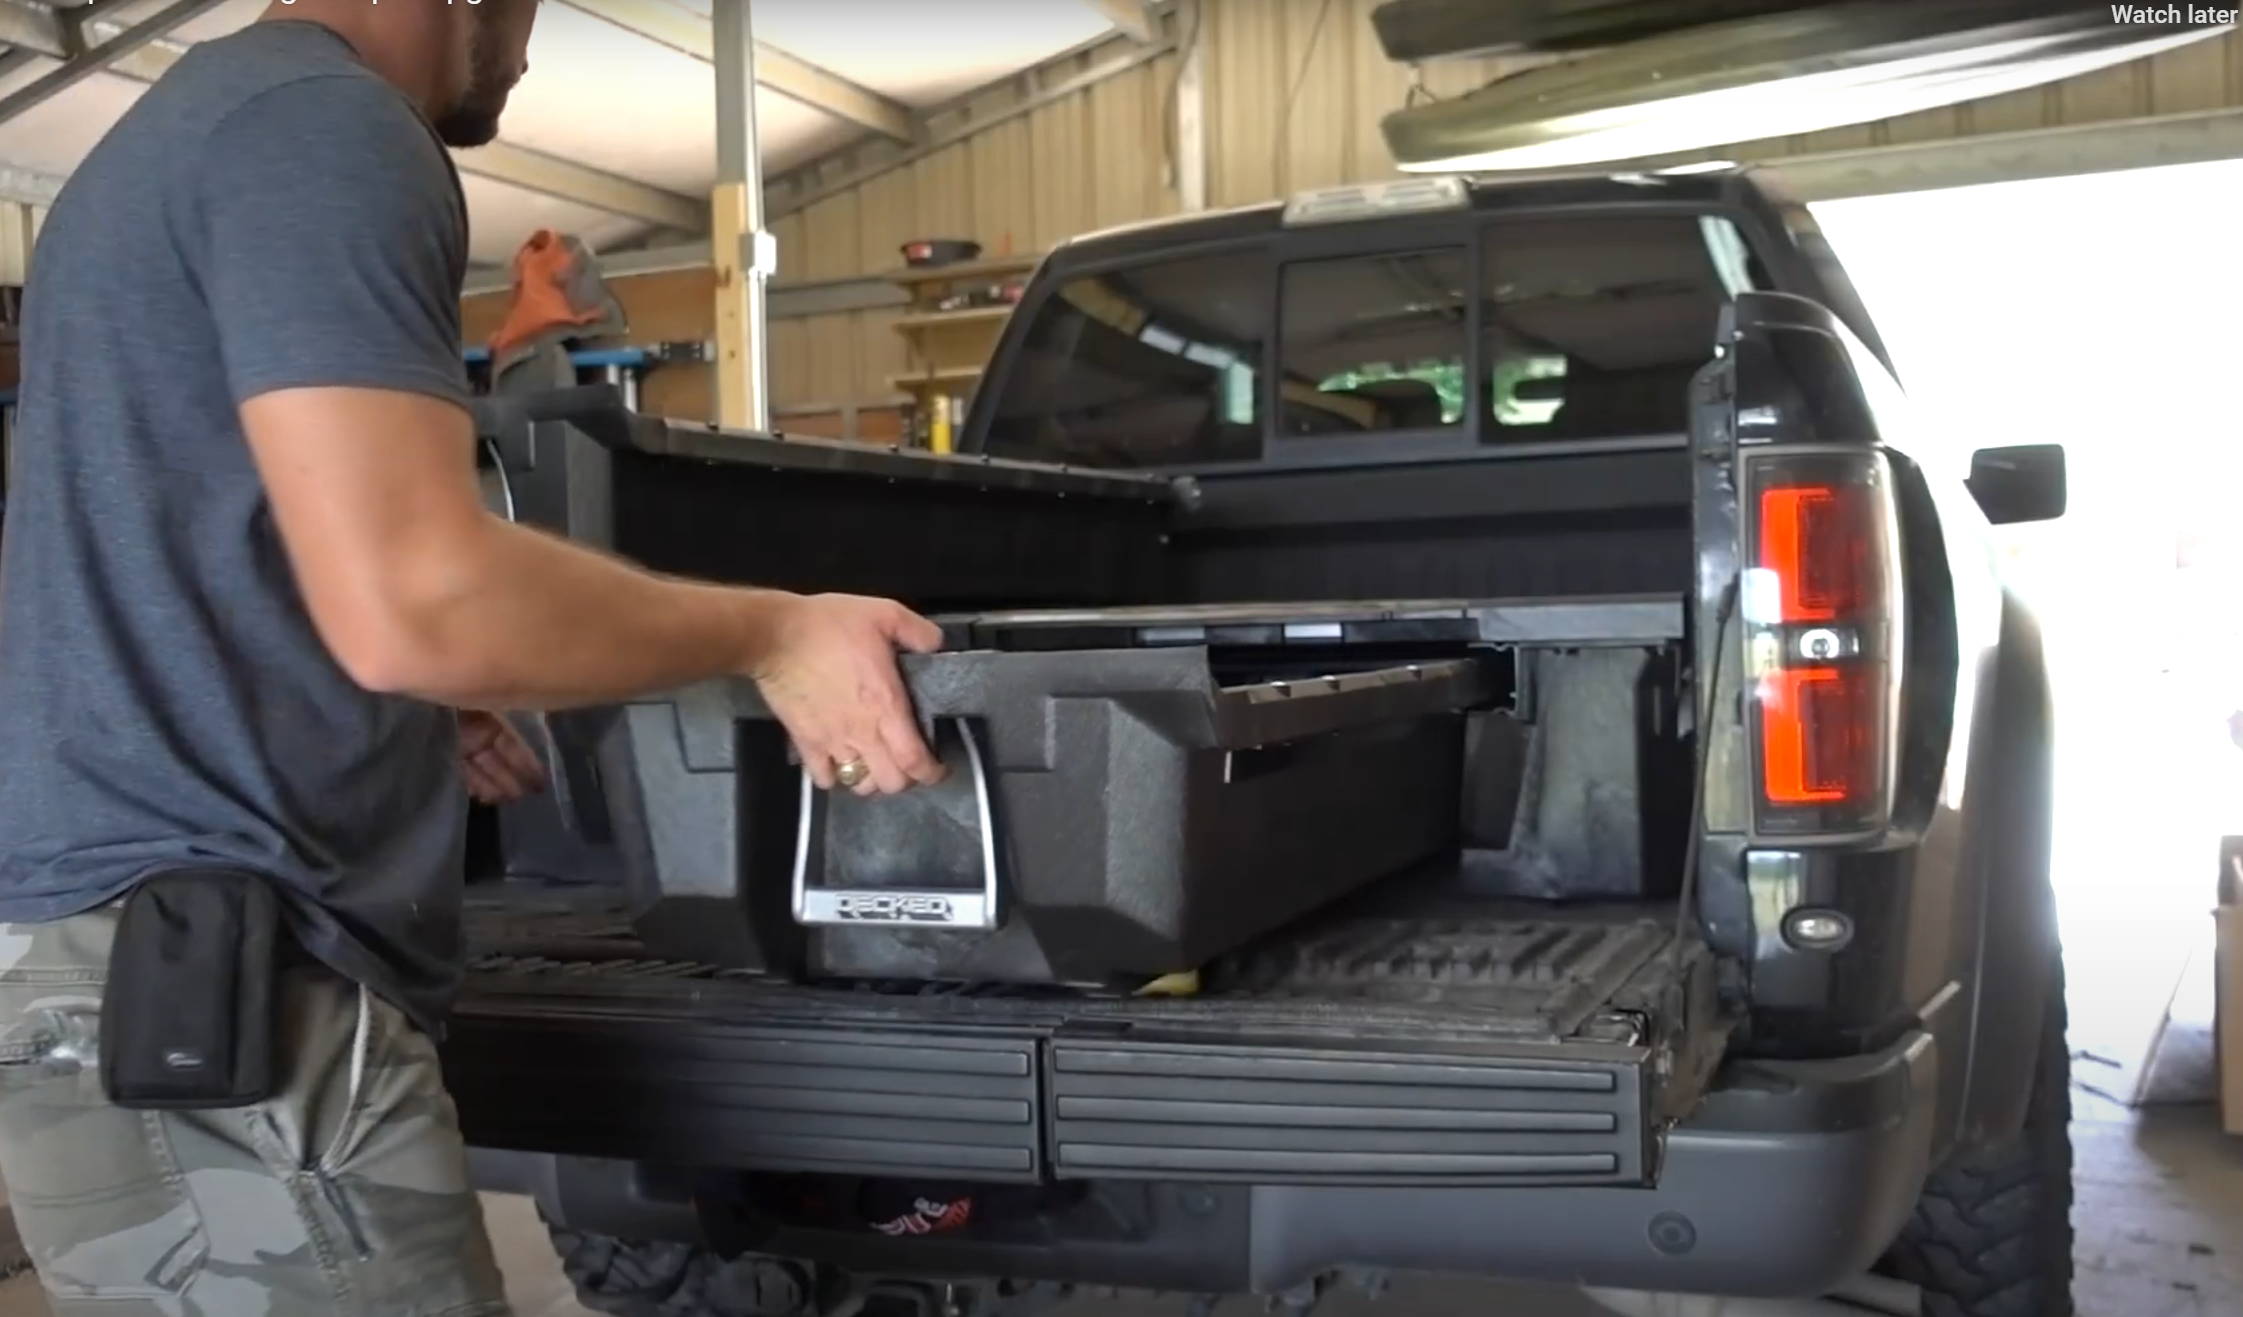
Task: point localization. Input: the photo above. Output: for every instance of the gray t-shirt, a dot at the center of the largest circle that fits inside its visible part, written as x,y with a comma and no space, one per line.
271,215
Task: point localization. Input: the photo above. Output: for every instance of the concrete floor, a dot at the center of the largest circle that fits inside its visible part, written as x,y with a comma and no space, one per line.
2160,1220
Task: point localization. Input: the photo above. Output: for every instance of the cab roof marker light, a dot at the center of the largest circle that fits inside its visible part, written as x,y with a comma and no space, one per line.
1341,205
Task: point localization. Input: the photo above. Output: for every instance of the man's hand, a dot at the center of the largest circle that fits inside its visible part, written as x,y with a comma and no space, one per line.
499,765
829,674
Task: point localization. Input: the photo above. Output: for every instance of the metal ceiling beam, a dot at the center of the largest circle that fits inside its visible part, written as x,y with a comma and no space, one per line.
44,32
535,171
794,78
87,48
28,187
1137,19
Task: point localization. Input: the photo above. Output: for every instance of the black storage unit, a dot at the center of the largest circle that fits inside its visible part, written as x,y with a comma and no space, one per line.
1110,816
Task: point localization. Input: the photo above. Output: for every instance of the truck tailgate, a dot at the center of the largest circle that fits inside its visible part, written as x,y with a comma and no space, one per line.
1467,1052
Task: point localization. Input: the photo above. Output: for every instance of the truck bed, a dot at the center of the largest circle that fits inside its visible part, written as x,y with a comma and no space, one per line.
1421,1036
1422,1032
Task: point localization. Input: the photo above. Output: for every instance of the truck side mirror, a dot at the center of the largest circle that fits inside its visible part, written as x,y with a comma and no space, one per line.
2021,483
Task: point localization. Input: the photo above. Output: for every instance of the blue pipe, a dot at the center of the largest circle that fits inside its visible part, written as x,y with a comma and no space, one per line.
611,357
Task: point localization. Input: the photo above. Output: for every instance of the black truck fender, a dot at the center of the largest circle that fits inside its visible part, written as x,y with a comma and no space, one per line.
2018,945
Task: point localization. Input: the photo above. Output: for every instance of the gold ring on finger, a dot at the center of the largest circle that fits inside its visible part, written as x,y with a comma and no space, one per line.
852,773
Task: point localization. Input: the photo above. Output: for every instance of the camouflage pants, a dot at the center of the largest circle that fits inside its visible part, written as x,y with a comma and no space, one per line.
346,1194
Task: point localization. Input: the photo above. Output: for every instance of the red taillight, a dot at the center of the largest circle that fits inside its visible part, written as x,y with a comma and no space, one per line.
1821,639
1809,538
1815,748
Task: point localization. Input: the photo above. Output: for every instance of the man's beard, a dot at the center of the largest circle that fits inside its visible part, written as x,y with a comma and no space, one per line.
474,121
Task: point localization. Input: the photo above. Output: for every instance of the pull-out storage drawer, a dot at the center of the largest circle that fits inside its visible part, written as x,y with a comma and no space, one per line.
1110,816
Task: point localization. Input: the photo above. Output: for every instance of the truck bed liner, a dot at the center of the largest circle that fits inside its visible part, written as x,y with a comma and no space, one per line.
1538,978
1540,1064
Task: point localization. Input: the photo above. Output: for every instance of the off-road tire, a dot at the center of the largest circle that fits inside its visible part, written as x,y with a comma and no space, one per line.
1992,1235
627,1278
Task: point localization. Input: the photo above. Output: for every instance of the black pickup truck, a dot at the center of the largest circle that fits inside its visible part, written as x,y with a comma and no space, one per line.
1486,739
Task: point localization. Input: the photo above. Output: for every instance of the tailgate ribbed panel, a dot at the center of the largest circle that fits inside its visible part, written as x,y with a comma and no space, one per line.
1463,1059
1276,1116
850,1101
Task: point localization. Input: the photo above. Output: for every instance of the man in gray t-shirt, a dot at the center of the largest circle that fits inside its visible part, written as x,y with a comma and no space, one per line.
247,585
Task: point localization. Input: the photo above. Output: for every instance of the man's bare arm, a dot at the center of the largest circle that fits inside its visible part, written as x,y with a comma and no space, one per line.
417,589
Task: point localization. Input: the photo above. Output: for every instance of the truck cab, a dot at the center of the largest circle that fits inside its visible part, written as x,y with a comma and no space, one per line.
1477,705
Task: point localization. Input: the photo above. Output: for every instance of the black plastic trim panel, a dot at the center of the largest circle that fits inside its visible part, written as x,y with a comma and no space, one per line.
1347,1115
658,1079
834,1100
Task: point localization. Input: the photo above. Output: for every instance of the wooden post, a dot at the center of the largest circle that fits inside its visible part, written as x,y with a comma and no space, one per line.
738,378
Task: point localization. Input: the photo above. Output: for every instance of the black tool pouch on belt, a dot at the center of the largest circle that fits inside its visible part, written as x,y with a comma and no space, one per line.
189,1016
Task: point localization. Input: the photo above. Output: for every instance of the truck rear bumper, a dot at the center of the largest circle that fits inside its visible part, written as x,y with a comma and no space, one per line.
1787,1179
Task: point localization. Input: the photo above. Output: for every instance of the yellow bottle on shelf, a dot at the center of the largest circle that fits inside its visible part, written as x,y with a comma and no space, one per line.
939,438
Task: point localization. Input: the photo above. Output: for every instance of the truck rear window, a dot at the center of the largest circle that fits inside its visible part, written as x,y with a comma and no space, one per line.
1576,328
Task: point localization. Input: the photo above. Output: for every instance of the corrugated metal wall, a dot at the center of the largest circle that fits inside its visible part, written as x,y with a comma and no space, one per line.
1294,90
18,226
1084,162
